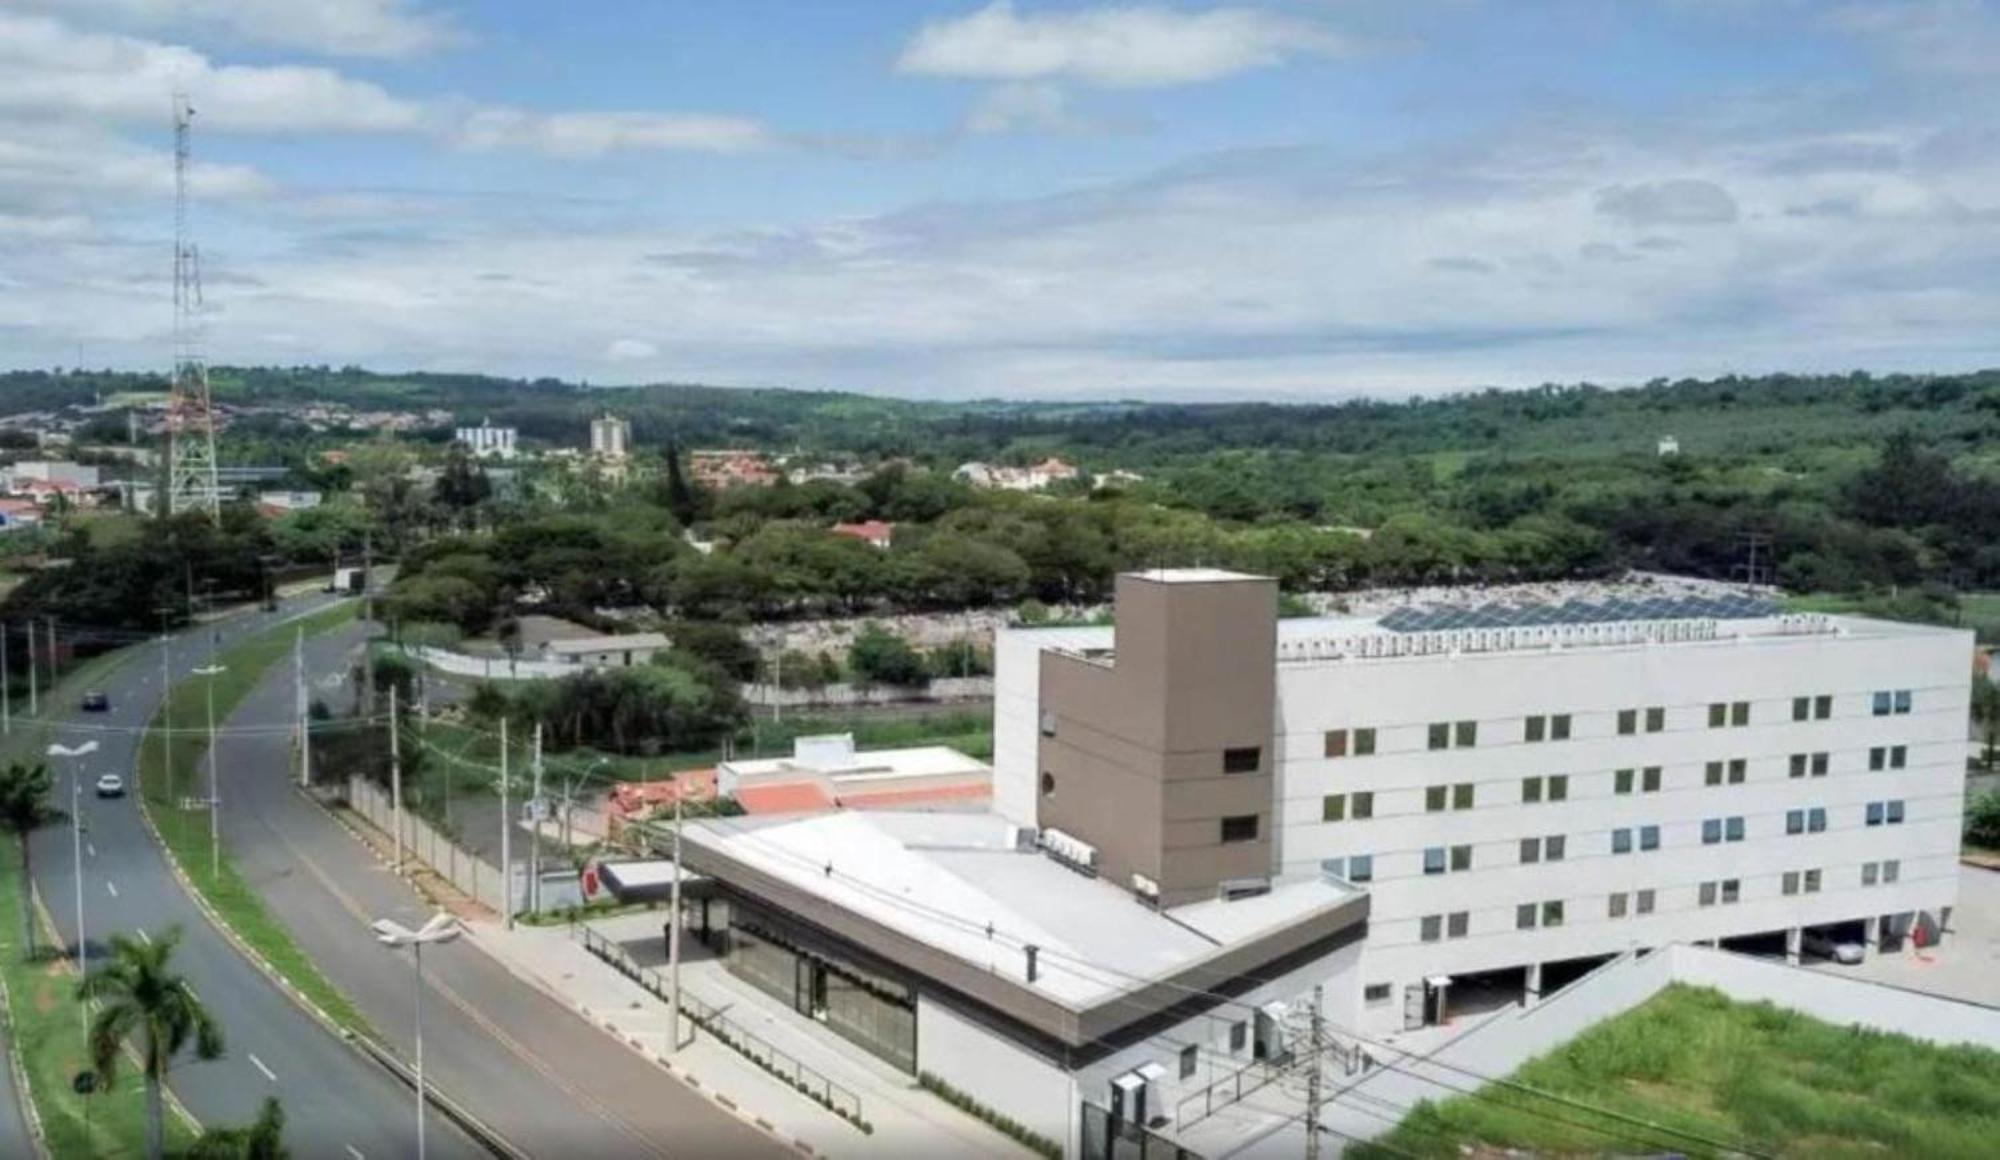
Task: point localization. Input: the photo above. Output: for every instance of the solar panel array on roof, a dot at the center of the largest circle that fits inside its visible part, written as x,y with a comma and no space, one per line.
1614,609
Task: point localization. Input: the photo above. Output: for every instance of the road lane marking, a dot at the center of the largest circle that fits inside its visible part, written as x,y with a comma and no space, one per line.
355,1152
143,936
259,1065
90,848
112,887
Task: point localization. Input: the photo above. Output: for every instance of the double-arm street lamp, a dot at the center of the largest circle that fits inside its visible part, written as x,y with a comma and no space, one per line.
441,928
212,670
73,752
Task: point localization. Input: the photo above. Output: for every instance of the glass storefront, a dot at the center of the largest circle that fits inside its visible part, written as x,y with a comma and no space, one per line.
876,1013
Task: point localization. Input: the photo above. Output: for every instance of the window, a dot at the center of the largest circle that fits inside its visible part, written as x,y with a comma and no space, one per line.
1891,870
1461,796
1434,859
1797,766
1718,714
1374,994
1435,797
1739,769
1880,703
1878,758
1239,1031
1899,757
1621,781
1559,787
1739,713
1819,764
1430,927
1732,829
1649,837
1531,850
1801,708
1361,868
1656,718
1895,812
1440,735
1874,813
1241,828
1711,831
1705,894
1461,857
1531,789
1869,872
1643,903
1812,881
1628,722
1535,729
1457,923
1816,820
1553,847
1364,742
1190,1060
1048,783
1649,779
1795,822
1789,882
1048,723
1364,804
1822,707
1732,890
1559,727
1712,773
1465,734
1621,841
1615,905
1552,913
1902,701
1336,743
1243,759
1524,916
1333,808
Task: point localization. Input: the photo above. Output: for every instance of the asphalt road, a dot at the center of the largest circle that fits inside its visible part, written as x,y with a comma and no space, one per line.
550,1083
337,1104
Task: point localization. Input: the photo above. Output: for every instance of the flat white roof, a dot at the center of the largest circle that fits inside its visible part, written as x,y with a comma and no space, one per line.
942,878
608,643
1194,575
915,761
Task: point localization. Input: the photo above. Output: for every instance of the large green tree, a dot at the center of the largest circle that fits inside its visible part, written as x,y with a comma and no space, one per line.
27,805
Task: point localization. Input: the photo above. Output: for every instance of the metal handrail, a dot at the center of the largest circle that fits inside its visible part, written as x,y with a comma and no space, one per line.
837,1099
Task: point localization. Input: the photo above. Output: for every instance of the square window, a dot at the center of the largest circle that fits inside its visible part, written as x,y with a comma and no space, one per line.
1869,871
1650,779
1816,820
1789,882
1895,811
1435,797
1242,759
1531,789
1534,728
1891,870
1711,773
1812,882
1559,787
1902,701
1552,913
1621,841
1628,722
1559,727
1239,1034
1644,902
1621,781
1801,708
1440,735
1374,994
1241,828
1880,704
1461,857
1739,768
1739,713
1656,719
1531,850
1553,847
1433,859
1465,734
1461,796
1524,916
1732,889
1364,803
1615,905
1333,808
1798,765
1361,868
1711,831
1190,1060
1705,896
1874,813
1878,758
1364,742
1718,714
1336,743
1819,764
1429,927
1899,757
1822,707
1795,821
1457,923
1649,837
1733,829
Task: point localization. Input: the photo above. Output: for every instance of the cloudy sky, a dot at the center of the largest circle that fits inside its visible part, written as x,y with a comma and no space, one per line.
1028,198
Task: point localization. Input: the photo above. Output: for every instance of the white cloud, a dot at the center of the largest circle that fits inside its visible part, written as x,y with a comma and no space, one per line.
1131,47
595,134
370,28
1680,202
625,350
1025,107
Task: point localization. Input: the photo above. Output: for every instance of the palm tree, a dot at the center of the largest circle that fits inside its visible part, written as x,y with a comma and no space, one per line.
145,1001
262,1139
26,806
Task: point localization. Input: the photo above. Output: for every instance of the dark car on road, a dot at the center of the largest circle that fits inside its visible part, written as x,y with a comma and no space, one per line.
95,702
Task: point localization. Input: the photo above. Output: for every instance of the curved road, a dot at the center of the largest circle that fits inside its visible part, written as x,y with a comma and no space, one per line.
337,1104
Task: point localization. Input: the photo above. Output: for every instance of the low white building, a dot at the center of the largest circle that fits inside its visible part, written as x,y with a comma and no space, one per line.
488,441
67,476
606,652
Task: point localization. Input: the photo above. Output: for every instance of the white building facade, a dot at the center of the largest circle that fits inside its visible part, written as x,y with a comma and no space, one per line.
1522,801
487,440
610,437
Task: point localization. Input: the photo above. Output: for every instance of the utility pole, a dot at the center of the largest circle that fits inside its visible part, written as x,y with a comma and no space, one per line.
535,831
506,834
214,782
49,621
674,938
6,684
34,696
396,775
76,854
167,703
778,692
301,708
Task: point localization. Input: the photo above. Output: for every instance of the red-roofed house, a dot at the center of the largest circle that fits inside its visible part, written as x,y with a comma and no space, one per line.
874,533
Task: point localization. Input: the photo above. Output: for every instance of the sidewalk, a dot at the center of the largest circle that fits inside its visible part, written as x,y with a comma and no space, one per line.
907,1120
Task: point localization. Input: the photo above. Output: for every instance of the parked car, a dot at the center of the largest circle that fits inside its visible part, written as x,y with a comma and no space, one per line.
95,702
110,785
1839,950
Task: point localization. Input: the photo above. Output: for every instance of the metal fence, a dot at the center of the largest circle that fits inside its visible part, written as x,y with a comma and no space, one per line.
830,1095
1198,1106
1106,1137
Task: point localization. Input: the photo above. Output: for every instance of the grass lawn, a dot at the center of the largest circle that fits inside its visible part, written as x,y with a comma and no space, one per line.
1752,1075
46,1024
185,831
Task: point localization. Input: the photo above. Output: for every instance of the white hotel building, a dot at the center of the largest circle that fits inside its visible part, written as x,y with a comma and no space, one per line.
1522,791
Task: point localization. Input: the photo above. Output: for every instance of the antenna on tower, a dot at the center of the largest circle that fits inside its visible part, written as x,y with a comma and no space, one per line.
191,485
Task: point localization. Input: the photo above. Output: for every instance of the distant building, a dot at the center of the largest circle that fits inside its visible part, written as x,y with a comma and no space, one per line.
271,504
610,437
607,652
826,773
1669,446
488,441
874,533
724,469
64,475
1035,478
19,514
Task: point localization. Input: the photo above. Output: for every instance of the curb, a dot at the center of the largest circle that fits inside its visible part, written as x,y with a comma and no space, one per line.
24,1093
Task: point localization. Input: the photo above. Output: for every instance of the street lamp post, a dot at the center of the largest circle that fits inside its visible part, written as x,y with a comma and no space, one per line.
674,930
212,671
441,928
76,849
